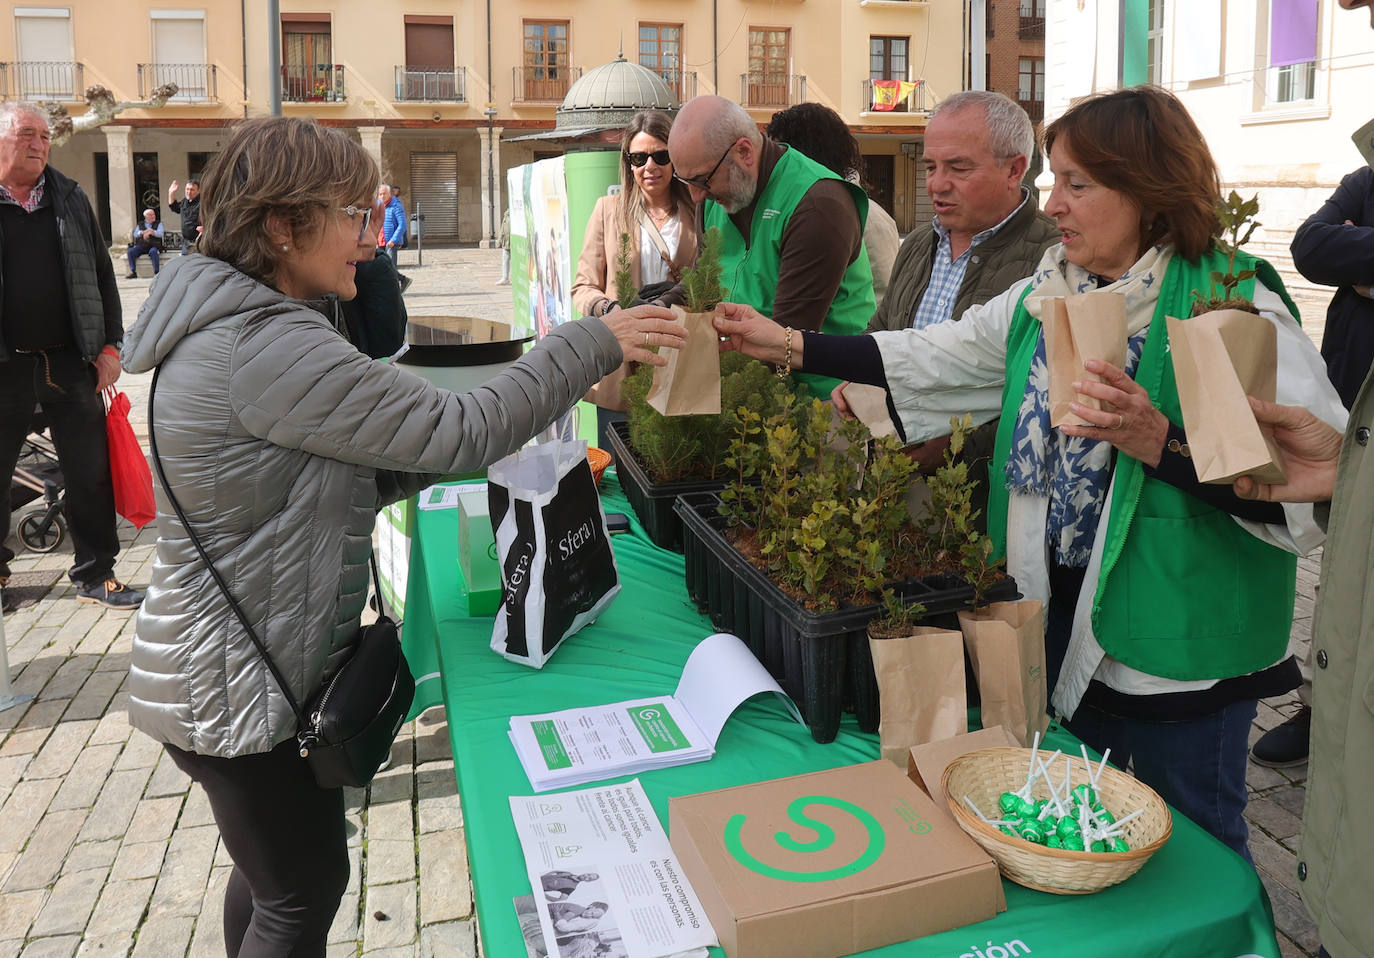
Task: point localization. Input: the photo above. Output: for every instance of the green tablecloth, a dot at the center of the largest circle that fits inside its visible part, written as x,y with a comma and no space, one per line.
1193,898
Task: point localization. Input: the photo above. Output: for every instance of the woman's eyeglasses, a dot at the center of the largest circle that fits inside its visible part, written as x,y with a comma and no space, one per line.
352,211
660,157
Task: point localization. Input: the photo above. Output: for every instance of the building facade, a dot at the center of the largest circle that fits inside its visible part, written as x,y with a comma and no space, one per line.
1276,86
436,88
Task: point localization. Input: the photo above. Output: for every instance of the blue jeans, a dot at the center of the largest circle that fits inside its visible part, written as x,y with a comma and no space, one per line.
136,251
1198,767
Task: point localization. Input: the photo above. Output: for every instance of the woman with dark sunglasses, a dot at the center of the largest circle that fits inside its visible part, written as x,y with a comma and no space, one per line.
657,213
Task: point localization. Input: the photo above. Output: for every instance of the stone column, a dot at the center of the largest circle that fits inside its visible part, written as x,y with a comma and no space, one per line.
123,203
372,142
489,151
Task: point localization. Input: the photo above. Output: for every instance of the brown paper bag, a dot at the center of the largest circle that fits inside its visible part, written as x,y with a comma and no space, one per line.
869,406
690,384
920,689
1078,328
1219,358
1006,643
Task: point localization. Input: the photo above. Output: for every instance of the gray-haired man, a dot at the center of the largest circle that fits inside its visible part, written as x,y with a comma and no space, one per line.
987,233
61,329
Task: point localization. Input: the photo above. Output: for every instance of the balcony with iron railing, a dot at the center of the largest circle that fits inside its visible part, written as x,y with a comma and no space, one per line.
913,102
196,82
42,80
682,84
1035,109
1032,22
760,91
418,84
313,83
543,84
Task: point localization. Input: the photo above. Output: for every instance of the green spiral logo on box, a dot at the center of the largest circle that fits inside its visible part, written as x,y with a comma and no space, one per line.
825,838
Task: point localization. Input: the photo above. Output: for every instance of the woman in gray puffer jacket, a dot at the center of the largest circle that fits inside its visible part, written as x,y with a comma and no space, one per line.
281,441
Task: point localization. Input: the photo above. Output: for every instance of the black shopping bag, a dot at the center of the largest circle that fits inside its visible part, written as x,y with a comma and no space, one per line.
557,567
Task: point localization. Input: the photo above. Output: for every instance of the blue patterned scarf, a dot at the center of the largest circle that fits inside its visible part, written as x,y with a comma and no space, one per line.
1073,472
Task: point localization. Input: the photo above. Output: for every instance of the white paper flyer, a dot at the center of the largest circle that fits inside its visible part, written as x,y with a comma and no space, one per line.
576,746
603,871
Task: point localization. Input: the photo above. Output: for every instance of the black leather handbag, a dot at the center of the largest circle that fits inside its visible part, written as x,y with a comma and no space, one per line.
347,728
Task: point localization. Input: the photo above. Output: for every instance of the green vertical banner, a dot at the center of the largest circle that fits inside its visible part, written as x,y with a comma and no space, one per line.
1135,24
517,194
589,176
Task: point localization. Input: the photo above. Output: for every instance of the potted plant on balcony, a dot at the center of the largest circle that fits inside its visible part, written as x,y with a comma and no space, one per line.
317,91
661,457
797,565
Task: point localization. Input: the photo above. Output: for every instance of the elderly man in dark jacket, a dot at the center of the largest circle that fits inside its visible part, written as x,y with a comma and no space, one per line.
988,232
60,334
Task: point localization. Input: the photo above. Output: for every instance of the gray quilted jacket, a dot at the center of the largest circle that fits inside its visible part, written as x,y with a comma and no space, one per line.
281,441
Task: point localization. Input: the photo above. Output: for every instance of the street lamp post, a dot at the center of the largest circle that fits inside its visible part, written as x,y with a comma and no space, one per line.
490,113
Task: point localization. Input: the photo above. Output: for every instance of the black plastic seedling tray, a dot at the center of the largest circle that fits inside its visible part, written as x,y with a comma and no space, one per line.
651,501
821,660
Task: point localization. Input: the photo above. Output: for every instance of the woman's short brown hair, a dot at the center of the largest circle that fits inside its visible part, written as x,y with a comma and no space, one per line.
287,166
1141,142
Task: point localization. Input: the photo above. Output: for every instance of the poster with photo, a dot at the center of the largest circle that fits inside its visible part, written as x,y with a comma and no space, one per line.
605,878
549,257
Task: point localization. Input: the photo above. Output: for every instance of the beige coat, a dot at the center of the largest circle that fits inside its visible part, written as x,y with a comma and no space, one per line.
594,283
1336,858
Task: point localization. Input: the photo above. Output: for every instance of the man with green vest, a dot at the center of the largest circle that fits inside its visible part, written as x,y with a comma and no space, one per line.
792,230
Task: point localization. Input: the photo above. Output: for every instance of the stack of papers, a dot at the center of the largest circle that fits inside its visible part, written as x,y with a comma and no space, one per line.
576,746
604,876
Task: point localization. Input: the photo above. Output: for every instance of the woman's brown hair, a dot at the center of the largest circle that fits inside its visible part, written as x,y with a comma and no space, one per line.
285,166
658,125
1142,143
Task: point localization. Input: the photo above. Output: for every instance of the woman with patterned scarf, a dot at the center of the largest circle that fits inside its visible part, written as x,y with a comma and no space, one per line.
1168,602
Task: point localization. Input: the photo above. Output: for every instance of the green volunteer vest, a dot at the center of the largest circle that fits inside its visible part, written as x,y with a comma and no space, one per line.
750,272
1184,592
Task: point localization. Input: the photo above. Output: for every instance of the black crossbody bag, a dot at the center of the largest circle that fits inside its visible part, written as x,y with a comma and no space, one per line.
347,727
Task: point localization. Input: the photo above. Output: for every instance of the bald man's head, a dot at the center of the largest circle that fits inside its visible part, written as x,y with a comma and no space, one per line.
715,149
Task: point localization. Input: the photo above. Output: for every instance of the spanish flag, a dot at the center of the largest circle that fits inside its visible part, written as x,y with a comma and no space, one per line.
888,93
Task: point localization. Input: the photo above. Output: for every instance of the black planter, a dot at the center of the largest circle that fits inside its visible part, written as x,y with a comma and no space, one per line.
821,660
652,501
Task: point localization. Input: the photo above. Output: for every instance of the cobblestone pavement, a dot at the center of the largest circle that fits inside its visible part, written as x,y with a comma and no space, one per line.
105,849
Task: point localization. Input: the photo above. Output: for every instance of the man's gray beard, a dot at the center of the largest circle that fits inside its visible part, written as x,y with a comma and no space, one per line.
738,192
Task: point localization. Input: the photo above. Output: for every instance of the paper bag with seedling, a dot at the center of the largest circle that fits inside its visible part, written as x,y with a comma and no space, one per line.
1225,352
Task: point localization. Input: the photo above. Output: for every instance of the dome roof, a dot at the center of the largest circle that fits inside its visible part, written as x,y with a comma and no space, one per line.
613,92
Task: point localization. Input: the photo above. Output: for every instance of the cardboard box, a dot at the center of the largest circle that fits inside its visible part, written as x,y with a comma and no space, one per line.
862,859
926,763
477,563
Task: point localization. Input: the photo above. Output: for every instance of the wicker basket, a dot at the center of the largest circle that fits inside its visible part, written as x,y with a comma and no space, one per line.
600,460
985,774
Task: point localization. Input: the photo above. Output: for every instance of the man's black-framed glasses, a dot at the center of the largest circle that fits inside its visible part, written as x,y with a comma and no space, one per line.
704,182
351,211
660,157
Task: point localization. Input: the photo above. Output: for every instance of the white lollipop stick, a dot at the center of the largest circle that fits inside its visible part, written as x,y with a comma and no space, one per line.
976,810
1122,821
1105,755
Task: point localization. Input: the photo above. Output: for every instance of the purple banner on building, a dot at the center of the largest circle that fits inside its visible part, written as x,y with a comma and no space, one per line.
1292,32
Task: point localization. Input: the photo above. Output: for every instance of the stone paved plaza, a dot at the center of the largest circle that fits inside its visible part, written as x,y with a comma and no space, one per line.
106,850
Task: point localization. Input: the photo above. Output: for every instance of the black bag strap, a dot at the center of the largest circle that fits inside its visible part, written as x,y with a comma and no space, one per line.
214,573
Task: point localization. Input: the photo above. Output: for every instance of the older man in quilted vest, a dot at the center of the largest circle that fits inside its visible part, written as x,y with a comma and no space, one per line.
987,233
61,327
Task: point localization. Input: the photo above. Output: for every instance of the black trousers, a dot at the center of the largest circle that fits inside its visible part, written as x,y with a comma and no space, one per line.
63,384
287,839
